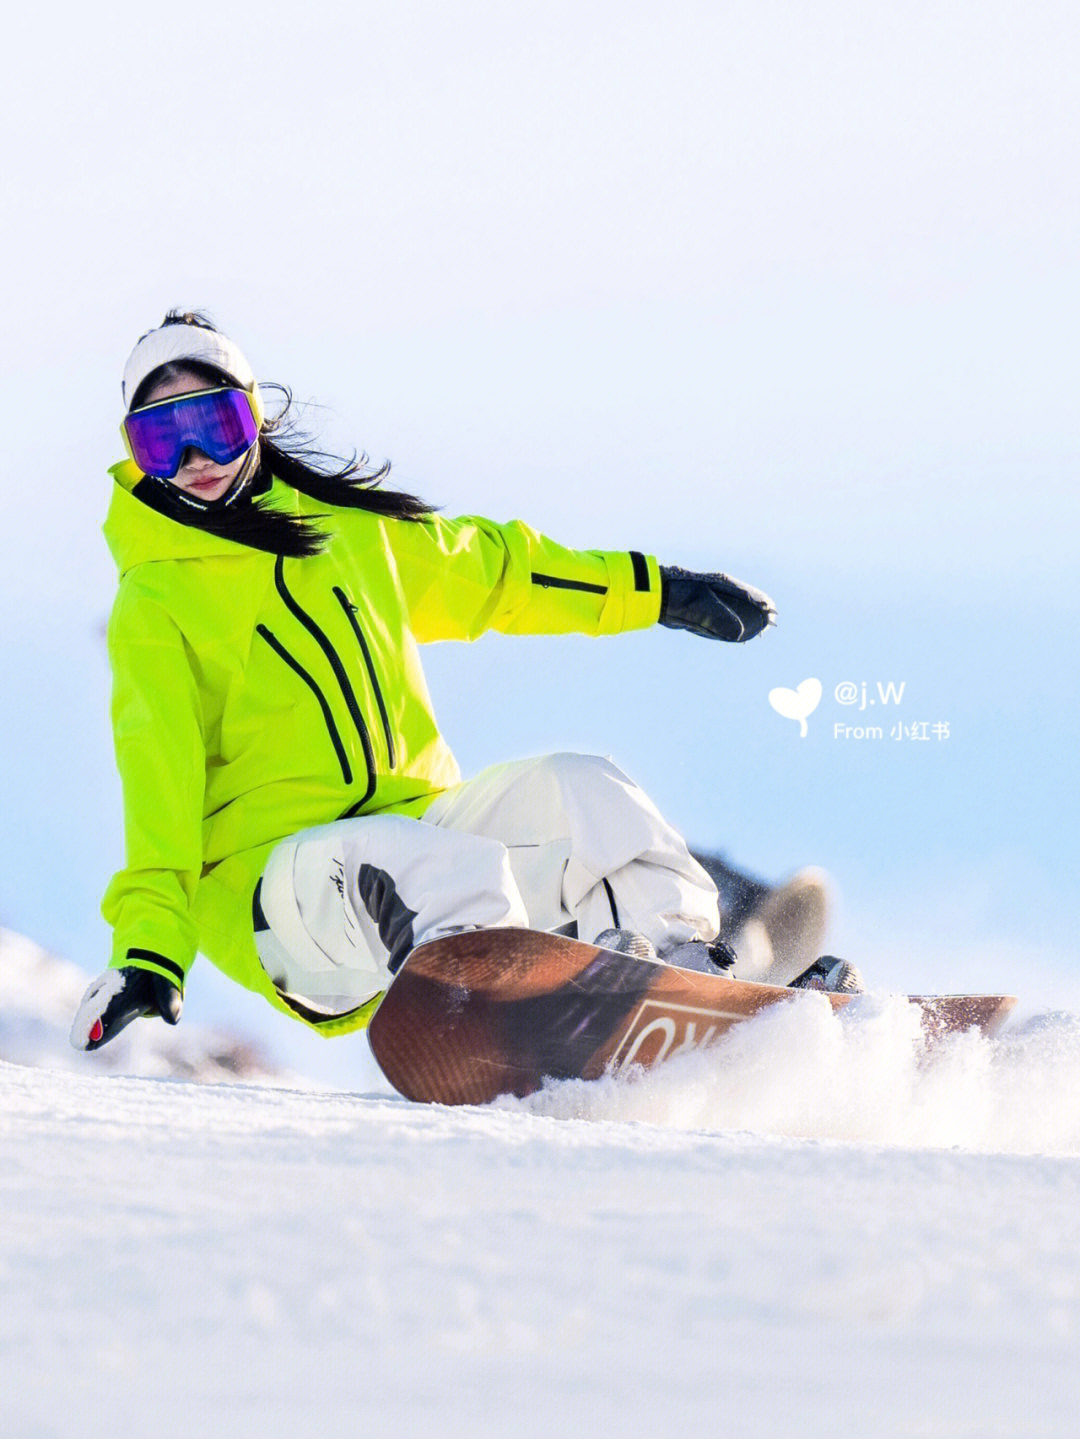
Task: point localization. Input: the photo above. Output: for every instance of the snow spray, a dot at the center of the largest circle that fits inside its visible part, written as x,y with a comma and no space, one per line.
863,1074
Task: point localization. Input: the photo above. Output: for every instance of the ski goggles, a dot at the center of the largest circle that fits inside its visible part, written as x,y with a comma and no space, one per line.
222,423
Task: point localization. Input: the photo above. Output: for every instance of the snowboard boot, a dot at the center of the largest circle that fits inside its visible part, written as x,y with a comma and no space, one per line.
712,956
835,976
775,930
709,957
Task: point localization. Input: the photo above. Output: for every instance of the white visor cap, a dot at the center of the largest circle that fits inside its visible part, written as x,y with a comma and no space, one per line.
172,343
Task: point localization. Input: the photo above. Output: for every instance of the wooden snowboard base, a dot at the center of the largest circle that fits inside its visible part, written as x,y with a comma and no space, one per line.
496,1011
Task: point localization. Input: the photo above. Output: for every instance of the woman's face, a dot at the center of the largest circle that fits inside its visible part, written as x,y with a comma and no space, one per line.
199,475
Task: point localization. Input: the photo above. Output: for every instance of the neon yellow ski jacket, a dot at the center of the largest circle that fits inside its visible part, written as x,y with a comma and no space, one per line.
255,696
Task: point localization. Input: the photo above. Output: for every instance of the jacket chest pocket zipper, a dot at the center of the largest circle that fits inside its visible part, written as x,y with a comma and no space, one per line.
350,609
313,685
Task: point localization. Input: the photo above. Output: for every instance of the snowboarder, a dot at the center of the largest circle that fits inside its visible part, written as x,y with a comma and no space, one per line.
291,808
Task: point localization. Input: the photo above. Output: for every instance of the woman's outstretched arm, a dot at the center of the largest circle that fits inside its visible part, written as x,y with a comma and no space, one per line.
161,757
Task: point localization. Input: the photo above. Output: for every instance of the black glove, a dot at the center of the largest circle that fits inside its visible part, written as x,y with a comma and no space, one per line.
116,998
715,606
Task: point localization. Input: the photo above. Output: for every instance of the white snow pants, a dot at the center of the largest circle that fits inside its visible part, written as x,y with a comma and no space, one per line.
535,843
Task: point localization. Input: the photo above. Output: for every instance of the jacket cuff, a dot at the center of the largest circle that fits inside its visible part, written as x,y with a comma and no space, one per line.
634,596
154,962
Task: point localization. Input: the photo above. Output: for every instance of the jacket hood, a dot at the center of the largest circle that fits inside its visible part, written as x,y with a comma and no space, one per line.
135,533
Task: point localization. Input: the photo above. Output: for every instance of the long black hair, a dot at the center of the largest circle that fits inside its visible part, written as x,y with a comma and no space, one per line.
284,450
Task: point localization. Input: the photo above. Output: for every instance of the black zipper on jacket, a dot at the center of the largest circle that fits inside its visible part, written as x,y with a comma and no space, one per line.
350,609
339,674
295,665
554,583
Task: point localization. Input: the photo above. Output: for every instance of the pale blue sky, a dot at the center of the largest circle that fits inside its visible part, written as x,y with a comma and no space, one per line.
789,289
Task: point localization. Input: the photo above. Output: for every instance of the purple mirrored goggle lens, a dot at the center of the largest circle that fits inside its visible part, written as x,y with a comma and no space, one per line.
220,423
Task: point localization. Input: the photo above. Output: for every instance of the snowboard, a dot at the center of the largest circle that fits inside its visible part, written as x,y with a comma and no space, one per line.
486,1012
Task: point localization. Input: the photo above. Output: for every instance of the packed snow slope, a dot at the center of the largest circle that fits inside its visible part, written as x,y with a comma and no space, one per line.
814,1229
